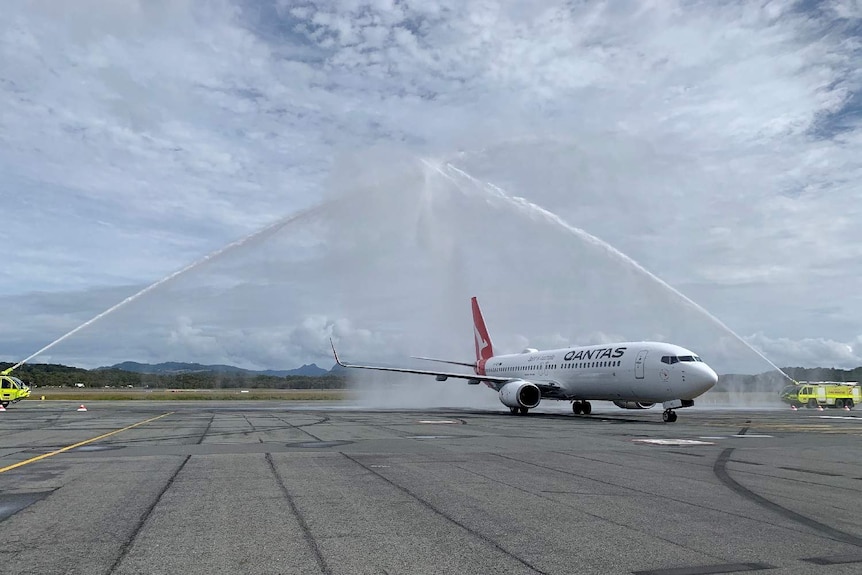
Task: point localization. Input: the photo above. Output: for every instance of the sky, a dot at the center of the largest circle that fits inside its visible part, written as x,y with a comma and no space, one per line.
357,170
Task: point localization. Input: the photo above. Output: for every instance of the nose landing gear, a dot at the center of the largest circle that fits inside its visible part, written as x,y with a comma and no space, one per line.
668,416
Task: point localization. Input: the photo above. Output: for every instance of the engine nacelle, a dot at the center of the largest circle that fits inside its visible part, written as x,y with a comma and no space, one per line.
633,404
520,394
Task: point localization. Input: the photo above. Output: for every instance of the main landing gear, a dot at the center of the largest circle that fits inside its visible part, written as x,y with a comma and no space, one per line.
580,407
517,410
668,416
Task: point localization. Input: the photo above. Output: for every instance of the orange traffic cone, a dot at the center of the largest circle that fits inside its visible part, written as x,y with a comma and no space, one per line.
2,408
82,408
846,407
793,408
819,408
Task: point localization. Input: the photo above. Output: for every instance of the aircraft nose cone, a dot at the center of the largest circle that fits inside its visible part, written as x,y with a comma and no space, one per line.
708,378
713,377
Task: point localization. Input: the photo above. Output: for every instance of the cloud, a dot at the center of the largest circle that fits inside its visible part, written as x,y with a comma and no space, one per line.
810,351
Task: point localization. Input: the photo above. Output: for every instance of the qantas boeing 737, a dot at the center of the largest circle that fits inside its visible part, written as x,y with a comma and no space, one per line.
633,375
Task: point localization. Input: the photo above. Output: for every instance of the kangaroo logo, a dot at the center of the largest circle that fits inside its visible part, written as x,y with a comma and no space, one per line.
481,343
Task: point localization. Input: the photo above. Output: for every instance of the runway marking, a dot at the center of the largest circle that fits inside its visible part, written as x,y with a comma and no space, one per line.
673,442
438,421
79,444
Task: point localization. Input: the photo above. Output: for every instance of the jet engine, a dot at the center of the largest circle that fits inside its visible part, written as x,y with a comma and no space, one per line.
633,404
520,394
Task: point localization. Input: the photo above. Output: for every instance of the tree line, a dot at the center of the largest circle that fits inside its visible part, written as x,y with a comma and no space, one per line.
54,375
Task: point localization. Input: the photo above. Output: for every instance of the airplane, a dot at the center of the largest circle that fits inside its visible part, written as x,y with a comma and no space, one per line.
632,375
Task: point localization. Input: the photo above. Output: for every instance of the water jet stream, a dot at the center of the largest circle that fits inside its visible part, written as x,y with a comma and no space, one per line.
262,233
527,206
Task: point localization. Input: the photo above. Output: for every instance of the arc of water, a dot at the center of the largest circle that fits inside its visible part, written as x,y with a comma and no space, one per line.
553,218
261,233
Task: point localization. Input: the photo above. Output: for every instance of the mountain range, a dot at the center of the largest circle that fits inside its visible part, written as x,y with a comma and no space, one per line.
174,367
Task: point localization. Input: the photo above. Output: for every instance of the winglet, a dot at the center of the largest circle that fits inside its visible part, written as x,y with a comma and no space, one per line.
335,353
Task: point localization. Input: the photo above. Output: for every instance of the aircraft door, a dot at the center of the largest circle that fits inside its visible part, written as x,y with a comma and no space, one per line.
639,364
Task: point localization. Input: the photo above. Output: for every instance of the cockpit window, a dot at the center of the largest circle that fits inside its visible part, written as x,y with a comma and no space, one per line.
671,359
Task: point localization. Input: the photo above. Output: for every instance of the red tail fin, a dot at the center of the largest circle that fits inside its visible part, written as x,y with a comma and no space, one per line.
484,349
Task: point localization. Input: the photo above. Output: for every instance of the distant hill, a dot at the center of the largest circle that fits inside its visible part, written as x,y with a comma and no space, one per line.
174,368
309,369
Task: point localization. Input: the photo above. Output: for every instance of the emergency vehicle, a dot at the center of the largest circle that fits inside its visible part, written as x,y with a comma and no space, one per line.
826,393
12,390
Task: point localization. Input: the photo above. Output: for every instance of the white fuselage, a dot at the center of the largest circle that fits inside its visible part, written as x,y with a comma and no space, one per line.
648,372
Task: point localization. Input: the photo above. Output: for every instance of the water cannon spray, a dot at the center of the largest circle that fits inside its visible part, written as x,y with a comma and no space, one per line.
263,232
449,171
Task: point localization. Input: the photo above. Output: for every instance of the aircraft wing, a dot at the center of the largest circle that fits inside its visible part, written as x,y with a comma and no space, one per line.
464,363
441,375
497,382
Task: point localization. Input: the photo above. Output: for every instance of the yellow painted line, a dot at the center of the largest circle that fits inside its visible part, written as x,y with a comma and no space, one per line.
45,455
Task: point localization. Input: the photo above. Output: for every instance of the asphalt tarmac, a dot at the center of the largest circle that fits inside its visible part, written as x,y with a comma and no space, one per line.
287,487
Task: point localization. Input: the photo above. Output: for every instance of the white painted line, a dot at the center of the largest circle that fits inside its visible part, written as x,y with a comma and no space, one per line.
839,417
439,421
673,441
749,435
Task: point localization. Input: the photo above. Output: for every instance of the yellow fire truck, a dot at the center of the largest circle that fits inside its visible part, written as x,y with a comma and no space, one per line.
12,390
826,393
